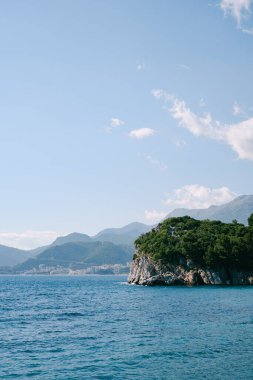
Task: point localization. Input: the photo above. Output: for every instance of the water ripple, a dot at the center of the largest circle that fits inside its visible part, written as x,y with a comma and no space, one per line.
100,328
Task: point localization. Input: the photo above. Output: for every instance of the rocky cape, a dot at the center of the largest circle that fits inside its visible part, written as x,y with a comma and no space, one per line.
145,271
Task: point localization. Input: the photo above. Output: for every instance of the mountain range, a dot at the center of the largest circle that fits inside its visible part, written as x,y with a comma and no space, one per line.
10,256
78,255
112,245
238,209
119,240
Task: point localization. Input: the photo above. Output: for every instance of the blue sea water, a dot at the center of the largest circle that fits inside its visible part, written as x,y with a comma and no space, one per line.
101,328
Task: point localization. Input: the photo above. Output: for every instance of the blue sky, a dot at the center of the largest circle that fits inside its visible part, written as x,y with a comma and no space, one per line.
119,111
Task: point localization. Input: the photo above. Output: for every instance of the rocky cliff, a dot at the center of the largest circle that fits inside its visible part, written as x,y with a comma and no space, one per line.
187,251
144,271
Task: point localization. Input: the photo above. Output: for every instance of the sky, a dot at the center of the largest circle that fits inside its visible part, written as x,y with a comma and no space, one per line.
119,111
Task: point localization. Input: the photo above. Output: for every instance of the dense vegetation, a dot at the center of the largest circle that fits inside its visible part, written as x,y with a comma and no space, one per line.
206,243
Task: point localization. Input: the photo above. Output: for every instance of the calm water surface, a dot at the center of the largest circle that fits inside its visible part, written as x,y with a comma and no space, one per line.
102,328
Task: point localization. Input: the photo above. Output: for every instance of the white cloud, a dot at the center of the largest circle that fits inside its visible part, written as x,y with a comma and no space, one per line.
199,126
196,196
141,133
27,239
161,94
193,197
154,216
114,123
237,109
239,10
159,164
238,136
157,93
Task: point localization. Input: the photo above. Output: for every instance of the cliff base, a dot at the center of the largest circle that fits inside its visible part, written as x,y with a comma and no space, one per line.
144,271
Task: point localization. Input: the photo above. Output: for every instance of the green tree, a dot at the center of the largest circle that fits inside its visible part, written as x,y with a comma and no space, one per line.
206,243
250,220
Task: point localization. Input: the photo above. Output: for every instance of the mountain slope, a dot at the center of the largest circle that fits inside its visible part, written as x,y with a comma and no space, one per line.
72,238
79,255
240,209
123,235
12,256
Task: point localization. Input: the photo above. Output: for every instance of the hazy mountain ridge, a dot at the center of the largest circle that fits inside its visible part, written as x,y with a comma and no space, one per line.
8,255
123,238
72,238
240,209
123,235
79,255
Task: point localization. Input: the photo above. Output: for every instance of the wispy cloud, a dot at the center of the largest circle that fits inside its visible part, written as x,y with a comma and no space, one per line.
238,136
140,65
158,93
114,123
159,164
141,133
154,215
239,10
202,102
180,143
27,239
184,66
196,196
237,109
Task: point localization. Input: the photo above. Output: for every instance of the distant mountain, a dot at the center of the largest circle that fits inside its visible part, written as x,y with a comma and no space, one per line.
240,209
123,238
12,256
36,251
114,245
124,235
79,255
72,238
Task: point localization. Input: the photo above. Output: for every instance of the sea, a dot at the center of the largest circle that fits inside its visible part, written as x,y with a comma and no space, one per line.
99,327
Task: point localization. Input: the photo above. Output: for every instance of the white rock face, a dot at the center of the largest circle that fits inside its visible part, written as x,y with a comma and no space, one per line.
144,271
141,270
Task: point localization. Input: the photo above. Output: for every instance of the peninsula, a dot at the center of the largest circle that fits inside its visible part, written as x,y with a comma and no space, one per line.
186,251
